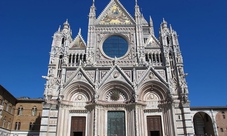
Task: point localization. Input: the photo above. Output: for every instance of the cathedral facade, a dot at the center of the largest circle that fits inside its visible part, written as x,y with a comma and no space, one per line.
122,82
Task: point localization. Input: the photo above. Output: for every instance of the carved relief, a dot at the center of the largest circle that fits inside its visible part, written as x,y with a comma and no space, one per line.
162,73
53,122
79,75
115,95
128,73
122,30
151,75
68,75
103,73
140,73
79,97
151,99
116,74
173,84
91,74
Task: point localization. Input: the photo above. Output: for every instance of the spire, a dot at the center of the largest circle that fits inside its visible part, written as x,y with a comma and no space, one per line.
66,24
92,9
164,23
171,29
163,20
79,33
59,28
137,9
151,26
151,21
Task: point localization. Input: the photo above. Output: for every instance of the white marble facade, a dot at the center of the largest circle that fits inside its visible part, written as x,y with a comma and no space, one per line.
146,82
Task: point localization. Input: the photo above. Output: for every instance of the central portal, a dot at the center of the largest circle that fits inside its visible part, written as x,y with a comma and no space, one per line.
116,123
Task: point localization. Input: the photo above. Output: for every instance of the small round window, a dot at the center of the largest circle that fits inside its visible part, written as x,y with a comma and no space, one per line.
115,46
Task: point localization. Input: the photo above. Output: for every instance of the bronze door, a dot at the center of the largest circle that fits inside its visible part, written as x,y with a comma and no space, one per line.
78,125
116,123
154,126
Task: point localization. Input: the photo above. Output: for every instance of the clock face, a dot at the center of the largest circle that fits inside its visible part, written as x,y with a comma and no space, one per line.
115,46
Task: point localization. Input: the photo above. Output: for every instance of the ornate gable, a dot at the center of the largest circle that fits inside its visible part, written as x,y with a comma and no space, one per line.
78,42
152,42
79,75
115,73
151,74
115,14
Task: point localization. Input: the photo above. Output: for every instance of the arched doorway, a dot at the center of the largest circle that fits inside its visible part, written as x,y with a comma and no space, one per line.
203,124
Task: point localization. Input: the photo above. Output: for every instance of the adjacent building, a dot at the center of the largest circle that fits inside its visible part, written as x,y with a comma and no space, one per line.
210,121
7,109
19,116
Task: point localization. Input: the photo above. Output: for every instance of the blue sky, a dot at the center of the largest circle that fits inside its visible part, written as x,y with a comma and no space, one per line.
27,27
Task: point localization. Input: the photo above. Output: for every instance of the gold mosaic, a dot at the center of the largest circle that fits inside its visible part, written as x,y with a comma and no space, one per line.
115,16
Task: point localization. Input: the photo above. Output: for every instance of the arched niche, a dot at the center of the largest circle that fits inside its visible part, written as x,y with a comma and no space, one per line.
115,91
151,93
153,87
78,92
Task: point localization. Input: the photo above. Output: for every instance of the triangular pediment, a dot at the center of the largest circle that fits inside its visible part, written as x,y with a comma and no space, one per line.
152,42
152,75
78,43
115,14
79,76
116,74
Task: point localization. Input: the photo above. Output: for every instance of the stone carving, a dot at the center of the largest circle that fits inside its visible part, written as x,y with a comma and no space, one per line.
91,74
118,29
151,75
128,73
115,96
140,73
103,73
69,74
79,75
162,73
115,74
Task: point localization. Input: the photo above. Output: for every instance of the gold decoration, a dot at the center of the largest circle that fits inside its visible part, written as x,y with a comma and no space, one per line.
115,16
78,43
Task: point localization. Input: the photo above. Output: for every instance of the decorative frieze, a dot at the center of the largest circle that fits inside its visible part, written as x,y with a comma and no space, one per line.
53,114
114,29
152,110
52,122
78,111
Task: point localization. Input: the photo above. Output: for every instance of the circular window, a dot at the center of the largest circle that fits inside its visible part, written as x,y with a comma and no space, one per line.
115,46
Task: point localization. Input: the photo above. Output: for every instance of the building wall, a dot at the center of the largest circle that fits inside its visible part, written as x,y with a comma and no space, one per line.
213,119
221,120
9,114
7,107
28,114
